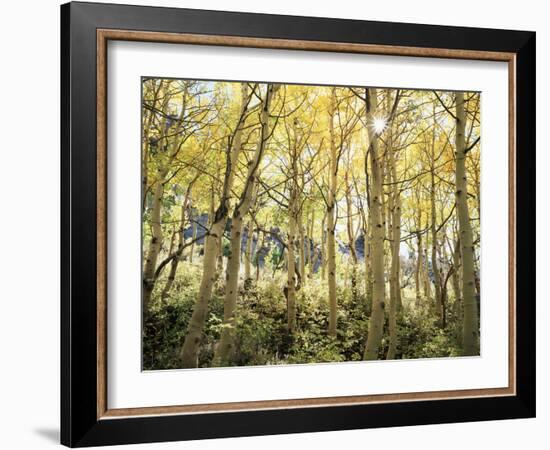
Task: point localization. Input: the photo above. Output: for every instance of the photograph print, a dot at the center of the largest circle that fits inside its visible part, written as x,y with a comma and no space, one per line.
299,224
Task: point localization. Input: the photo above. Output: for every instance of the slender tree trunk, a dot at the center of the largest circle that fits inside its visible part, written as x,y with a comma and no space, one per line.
444,278
291,267
470,310
145,165
170,279
331,266
368,272
173,264
181,241
295,237
302,252
376,322
425,275
395,277
418,269
248,253
366,238
351,238
456,272
435,264
219,258
386,224
172,240
349,224
219,242
154,247
226,347
331,222
146,145
190,349
311,252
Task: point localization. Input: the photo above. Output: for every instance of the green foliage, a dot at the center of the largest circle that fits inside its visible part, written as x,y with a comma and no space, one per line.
421,337
261,334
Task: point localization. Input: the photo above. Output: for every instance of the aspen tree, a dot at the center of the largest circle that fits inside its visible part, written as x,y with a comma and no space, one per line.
376,322
470,334
248,252
190,348
331,219
226,346
395,271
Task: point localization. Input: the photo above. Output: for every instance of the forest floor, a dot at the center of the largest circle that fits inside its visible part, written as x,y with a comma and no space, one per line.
261,328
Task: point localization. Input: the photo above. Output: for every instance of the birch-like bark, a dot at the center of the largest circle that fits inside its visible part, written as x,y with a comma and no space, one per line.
395,276
323,248
349,223
456,272
301,252
425,277
295,235
291,264
470,311
418,269
331,221
435,264
351,237
190,348
154,246
368,272
248,253
366,237
148,121
226,347
191,345
376,323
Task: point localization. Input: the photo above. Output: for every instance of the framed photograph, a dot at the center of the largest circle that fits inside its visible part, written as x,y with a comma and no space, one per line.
277,224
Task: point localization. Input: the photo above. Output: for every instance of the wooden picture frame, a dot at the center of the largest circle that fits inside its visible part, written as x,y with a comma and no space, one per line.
86,418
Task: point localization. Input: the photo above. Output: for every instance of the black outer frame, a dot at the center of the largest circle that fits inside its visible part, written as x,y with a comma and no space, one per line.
79,423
